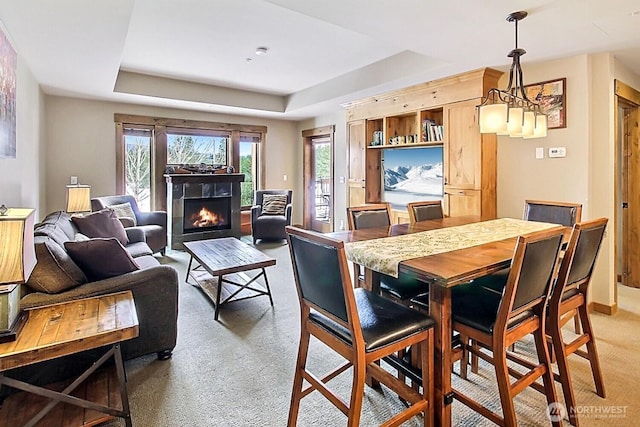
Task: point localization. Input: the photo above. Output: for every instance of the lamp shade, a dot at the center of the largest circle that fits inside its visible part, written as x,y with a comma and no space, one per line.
78,198
540,129
17,250
493,118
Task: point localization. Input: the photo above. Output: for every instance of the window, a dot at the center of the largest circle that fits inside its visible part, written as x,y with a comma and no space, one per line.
137,167
250,167
209,148
146,145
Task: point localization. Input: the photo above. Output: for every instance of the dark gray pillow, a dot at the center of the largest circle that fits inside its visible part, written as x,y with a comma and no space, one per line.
101,258
103,223
55,271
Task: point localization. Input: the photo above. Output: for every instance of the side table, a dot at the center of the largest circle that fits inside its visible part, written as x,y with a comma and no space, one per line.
63,329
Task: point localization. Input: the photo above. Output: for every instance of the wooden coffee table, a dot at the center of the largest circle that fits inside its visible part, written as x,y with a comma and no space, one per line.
220,273
59,330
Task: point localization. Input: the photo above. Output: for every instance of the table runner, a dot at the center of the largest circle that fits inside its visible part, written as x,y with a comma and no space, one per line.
383,255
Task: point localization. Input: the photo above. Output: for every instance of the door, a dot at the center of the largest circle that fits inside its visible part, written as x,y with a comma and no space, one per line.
318,179
630,191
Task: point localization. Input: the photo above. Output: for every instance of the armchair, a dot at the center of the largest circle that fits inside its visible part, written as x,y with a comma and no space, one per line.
152,224
266,225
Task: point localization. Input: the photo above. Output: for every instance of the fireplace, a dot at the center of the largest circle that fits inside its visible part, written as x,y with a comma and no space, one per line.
203,206
204,214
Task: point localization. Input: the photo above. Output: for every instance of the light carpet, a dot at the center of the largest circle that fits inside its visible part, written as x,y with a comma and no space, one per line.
239,371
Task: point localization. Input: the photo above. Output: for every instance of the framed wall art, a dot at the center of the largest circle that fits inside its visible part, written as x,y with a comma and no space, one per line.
551,95
8,67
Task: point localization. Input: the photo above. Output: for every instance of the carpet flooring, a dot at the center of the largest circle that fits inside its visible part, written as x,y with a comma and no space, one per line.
238,371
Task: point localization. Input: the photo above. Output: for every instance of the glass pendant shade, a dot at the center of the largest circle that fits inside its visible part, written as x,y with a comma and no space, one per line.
540,128
493,118
514,124
527,127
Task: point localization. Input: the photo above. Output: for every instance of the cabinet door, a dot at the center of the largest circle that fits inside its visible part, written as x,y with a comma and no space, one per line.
462,146
461,202
357,146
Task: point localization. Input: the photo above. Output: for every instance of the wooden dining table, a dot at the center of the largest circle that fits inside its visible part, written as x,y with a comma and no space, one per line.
442,271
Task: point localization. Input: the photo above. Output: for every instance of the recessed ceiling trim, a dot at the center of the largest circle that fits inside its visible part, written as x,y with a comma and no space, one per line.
162,87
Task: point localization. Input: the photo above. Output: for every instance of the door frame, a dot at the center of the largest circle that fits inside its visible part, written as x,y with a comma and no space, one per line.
308,183
626,98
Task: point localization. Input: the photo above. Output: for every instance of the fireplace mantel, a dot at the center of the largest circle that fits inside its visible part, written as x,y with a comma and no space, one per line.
203,178
194,186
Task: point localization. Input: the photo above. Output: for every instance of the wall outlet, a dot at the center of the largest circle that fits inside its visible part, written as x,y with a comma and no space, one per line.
285,177
342,224
342,180
74,180
557,152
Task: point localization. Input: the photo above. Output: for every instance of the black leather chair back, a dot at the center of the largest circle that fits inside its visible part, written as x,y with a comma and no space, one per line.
537,270
371,218
427,212
566,215
318,277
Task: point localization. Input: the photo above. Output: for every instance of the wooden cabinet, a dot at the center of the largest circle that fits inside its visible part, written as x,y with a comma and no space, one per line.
357,168
440,112
469,163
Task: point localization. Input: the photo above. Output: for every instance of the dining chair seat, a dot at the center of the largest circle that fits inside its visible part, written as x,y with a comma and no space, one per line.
382,321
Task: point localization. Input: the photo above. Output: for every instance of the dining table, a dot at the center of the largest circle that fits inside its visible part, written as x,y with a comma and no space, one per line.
444,253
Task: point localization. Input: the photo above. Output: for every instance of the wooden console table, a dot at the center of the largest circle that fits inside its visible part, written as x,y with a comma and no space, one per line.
63,329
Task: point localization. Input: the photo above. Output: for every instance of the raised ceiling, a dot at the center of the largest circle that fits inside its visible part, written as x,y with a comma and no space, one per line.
200,54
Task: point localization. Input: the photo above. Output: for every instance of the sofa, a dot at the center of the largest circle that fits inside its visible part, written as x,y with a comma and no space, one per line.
152,224
57,278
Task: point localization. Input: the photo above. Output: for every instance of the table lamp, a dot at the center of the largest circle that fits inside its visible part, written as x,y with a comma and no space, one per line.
78,198
17,260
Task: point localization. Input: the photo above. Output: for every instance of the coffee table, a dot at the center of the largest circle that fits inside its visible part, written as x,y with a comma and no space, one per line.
220,273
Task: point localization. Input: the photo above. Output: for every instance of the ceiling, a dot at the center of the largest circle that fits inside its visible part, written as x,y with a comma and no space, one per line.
200,54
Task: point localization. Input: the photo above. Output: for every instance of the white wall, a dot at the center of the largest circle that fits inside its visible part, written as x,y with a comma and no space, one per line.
81,142
22,183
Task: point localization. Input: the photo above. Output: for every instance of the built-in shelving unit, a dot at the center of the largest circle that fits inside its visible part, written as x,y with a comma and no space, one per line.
440,112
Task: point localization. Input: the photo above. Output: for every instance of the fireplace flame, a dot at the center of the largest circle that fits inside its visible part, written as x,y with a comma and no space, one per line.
206,218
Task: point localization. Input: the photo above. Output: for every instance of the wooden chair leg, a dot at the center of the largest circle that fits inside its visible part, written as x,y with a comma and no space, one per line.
592,351
357,394
547,376
296,393
576,324
564,373
464,361
474,357
504,388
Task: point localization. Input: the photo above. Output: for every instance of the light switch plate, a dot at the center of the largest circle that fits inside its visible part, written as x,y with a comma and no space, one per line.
539,153
557,152
74,180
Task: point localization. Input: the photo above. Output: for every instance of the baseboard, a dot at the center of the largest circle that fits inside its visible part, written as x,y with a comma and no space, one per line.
609,310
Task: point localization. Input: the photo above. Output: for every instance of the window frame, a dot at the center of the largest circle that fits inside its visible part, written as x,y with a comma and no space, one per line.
160,128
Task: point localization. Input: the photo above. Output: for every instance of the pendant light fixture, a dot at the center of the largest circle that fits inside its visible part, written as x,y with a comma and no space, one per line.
510,111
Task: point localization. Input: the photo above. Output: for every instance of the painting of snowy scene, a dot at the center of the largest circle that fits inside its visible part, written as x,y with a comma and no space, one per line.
411,175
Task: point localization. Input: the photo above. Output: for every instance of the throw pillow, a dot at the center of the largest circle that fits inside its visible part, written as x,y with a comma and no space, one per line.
124,210
55,270
101,258
103,223
274,204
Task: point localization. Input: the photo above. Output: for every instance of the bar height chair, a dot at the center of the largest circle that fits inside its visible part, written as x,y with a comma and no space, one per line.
403,288
354,323
496,321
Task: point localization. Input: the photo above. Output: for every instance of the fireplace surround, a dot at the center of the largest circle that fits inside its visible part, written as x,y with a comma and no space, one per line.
202,206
